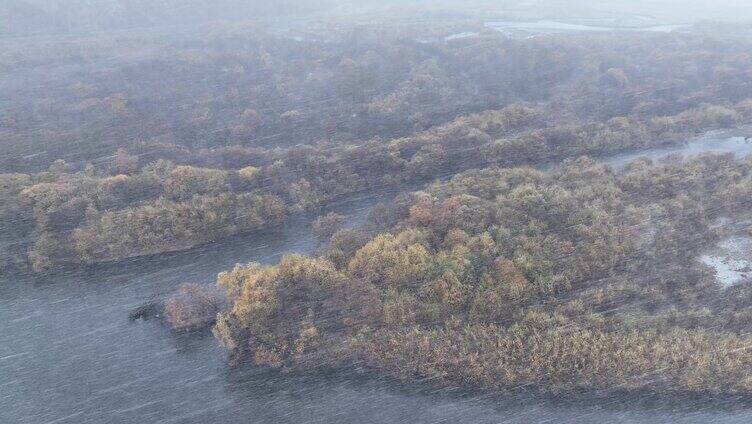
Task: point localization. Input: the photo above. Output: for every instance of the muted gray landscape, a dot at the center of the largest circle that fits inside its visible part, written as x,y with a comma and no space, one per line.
375,212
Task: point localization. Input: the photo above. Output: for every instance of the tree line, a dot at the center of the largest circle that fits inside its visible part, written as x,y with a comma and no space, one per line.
157,168
146,202
83,98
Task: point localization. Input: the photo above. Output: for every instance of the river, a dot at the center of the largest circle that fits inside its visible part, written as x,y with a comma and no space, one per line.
559,27
69,355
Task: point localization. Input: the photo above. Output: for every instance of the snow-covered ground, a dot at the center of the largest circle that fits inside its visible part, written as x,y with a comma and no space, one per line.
731,260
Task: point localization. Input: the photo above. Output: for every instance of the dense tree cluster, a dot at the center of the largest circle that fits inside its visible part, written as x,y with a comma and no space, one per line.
578,278
255,126
534,266
84,98
146,202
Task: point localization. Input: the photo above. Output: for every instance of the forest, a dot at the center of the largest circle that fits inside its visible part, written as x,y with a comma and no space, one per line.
246,87
392,211
108,162
577,279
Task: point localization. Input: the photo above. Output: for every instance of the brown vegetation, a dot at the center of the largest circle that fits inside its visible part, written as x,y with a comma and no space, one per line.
87,217
576,279
386,112
195,306
326,225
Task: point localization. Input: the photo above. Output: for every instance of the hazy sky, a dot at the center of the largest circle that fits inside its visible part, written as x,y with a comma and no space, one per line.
684,9
34,16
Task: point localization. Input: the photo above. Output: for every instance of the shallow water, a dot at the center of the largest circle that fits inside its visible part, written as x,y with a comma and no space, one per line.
460,35
724,141
68,354
556,27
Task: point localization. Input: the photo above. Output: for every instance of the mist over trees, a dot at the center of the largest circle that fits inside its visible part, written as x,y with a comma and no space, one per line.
511,257
110,162
28,17
578,279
